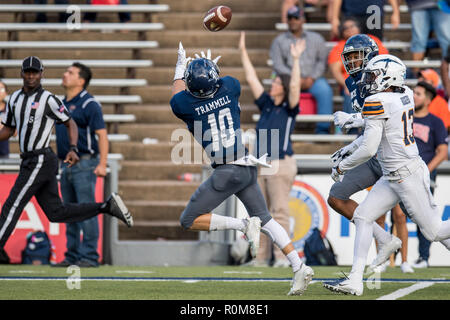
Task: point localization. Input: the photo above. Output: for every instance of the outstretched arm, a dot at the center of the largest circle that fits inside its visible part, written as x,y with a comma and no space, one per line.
178,82
250,73
294,85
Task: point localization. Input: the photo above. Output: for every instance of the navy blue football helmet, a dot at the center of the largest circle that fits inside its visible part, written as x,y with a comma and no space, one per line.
201,78
364,46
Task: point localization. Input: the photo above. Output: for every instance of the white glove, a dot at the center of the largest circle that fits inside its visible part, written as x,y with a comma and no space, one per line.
348,120
181,63
342,153
207,56
335,175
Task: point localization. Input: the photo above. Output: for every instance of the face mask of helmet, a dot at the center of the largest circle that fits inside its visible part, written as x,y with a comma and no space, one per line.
354,61
368,84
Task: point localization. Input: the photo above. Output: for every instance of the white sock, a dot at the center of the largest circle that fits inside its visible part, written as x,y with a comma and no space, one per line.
277,233
294,259
381,235
281,238
363,240
219,222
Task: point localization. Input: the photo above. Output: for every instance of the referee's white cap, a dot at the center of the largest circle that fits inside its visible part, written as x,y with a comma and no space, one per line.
33,63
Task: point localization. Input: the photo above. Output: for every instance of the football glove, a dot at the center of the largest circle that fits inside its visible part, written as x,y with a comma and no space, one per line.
347,121
335,175
207,56
339,155
181,63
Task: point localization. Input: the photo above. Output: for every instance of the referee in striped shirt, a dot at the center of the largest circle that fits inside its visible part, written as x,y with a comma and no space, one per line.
33,111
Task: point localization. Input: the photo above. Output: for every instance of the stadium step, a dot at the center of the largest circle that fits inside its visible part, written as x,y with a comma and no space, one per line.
230,57
166,190
156,170
138,151
164,230
162,114
202,7
239,21
156,210
161,132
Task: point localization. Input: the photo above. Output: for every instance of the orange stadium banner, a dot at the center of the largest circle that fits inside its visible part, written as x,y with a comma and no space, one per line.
34,219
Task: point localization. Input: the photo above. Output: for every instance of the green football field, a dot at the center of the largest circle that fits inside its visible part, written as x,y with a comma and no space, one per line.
25,282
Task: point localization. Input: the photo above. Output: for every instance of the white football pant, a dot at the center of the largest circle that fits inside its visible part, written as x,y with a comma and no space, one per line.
414,191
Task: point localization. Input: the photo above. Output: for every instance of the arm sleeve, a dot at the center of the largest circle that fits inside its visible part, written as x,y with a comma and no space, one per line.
369,145
175,109
262,101
374,109
95,116
8,117
440,132
57,110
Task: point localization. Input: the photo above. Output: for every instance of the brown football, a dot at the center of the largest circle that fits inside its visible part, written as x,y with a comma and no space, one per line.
217,18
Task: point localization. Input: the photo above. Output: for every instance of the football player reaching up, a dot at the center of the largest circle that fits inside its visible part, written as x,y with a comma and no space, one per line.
388,132
209,105
358,50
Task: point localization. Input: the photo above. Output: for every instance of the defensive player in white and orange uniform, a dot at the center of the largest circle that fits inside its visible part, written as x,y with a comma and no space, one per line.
388,112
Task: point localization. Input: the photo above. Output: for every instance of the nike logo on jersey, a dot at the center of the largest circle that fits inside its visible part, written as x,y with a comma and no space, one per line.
213,105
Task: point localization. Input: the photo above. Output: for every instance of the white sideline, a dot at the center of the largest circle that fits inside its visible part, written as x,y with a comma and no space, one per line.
405,291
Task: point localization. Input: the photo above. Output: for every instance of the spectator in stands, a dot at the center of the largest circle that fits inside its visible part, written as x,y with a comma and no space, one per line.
370,21
42,16
431,76
313,62
445,74
348,28
438,105
4,145
286,4
430,135
78,182
426,16
92,16
278,109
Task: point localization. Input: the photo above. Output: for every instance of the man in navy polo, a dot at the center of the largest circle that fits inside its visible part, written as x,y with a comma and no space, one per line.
78,182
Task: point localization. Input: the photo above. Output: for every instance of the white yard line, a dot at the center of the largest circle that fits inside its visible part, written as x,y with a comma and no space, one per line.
405,291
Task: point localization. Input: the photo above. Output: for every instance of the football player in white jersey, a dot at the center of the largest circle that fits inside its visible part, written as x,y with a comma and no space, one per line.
388,112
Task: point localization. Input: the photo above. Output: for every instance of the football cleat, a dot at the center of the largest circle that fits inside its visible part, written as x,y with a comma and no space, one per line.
345,286
385,252
252,232
116,207
302,277
420,264
406,268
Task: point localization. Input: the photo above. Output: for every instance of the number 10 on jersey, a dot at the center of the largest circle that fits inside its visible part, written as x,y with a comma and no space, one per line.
224,133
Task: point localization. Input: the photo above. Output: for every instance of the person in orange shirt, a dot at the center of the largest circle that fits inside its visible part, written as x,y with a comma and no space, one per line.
438,105
348,28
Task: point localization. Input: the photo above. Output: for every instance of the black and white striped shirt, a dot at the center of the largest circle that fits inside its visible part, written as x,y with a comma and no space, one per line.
34,115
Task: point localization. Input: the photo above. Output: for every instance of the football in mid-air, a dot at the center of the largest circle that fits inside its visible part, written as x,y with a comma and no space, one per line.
217,18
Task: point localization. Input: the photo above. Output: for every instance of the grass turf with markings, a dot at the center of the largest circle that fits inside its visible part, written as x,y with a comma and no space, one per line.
200,283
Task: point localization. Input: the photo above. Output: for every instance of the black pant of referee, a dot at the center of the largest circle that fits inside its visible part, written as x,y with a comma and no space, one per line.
37,177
